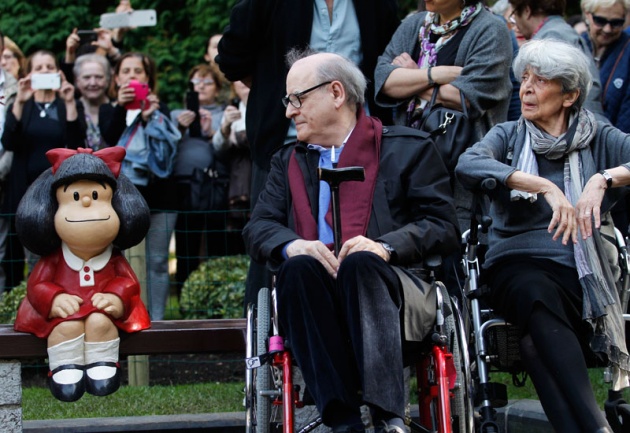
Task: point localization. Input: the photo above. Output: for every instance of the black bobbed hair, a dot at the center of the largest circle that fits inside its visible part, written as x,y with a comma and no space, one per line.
35,216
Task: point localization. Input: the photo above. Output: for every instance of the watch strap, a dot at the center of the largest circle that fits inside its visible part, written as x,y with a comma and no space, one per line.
608,177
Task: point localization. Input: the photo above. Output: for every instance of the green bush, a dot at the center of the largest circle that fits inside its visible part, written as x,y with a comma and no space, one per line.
9,303
216,289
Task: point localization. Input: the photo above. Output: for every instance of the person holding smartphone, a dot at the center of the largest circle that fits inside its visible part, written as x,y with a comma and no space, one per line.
231,144
43,116
199,122
136,110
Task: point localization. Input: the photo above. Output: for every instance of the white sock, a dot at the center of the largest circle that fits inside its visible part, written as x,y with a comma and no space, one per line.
101,351
64,353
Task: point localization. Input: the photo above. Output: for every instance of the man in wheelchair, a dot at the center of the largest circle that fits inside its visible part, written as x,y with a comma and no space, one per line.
346,317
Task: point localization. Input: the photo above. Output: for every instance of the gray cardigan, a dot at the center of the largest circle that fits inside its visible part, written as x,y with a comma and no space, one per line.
512,231
485,53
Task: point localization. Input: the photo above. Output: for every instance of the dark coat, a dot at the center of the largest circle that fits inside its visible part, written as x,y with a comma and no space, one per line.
412,208
254,45
25,138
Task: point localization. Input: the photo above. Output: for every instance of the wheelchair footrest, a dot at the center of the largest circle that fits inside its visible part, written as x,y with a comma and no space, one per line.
495,392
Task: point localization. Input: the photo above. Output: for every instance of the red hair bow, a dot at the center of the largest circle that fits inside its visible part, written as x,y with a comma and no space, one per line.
111,156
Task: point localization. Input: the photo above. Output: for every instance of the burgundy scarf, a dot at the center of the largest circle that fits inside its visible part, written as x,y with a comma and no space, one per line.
363,149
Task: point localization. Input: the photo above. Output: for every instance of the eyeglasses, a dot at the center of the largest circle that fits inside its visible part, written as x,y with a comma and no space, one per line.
616,23
294,98
205,82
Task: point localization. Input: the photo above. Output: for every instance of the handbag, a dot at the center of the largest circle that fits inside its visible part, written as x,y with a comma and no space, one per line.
208,189
450,129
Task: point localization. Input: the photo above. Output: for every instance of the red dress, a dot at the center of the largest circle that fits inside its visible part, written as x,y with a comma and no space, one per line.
53,275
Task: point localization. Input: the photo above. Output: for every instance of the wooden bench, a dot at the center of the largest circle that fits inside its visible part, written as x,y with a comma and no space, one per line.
164,337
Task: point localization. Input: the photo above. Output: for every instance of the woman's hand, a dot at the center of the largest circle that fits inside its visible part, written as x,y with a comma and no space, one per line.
66,91
72,43
64,305
25,91
230,115
405,61
104,43
150,105
186,118
206,122
564,217
126,94
109,303
589,205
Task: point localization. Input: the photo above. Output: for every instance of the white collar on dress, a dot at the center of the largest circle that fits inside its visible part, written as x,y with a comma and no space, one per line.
76,263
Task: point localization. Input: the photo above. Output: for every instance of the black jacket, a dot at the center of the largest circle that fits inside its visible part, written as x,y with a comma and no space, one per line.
254,45
412,208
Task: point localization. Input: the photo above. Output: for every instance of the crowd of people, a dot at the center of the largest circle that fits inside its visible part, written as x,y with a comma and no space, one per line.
96,106
356,82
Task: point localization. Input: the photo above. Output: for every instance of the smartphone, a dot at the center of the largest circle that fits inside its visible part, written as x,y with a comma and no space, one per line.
142,91
86,37
192,104
235,102
45,81
140,18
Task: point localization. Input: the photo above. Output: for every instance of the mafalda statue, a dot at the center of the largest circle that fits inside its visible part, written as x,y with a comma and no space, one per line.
78,216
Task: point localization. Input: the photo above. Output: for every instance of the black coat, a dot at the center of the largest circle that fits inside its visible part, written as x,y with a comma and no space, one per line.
30,138
412,210
254,45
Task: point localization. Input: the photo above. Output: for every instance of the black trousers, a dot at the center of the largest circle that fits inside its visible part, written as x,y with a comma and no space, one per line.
345,334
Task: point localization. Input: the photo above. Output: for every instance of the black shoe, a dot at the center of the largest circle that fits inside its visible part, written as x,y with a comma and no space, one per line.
102,387
67,392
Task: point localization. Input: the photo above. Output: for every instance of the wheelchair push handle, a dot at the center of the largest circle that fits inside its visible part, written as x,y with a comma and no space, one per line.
480,212
335,177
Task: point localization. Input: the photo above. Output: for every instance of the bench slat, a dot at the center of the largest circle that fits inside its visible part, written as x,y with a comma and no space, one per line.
164,337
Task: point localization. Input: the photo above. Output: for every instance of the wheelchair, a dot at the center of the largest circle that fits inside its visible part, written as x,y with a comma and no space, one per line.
494,343
271,397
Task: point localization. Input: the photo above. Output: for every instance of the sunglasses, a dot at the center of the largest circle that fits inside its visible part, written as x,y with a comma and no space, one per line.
616,23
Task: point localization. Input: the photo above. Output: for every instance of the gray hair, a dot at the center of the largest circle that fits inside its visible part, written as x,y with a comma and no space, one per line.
589,6
337,68
556,60
96,58
500,7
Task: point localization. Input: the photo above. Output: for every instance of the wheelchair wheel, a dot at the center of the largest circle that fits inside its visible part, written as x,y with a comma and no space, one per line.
462,407
262,374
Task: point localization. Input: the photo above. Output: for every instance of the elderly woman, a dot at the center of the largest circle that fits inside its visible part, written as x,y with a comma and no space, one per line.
459,46
92,74
559,172
611,49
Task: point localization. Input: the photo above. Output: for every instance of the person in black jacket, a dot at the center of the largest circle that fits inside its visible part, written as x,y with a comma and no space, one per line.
252,50
39,119
346,317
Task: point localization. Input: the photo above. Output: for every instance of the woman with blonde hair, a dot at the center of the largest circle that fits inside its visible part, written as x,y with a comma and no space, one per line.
13,60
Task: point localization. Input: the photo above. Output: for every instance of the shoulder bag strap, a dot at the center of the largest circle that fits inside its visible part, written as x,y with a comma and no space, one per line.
612,73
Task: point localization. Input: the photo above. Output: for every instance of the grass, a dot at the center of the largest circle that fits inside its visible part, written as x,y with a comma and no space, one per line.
38,403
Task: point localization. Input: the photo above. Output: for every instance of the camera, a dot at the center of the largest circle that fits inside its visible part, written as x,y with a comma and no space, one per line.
142,91
45,81
86,37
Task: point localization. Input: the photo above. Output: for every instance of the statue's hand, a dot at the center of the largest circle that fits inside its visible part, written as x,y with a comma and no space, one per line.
109,303
65,305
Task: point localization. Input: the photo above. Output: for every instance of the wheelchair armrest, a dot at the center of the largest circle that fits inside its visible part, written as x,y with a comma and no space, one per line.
433,262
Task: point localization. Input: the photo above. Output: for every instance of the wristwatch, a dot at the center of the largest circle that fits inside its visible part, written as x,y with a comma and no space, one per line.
388,248
608,178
